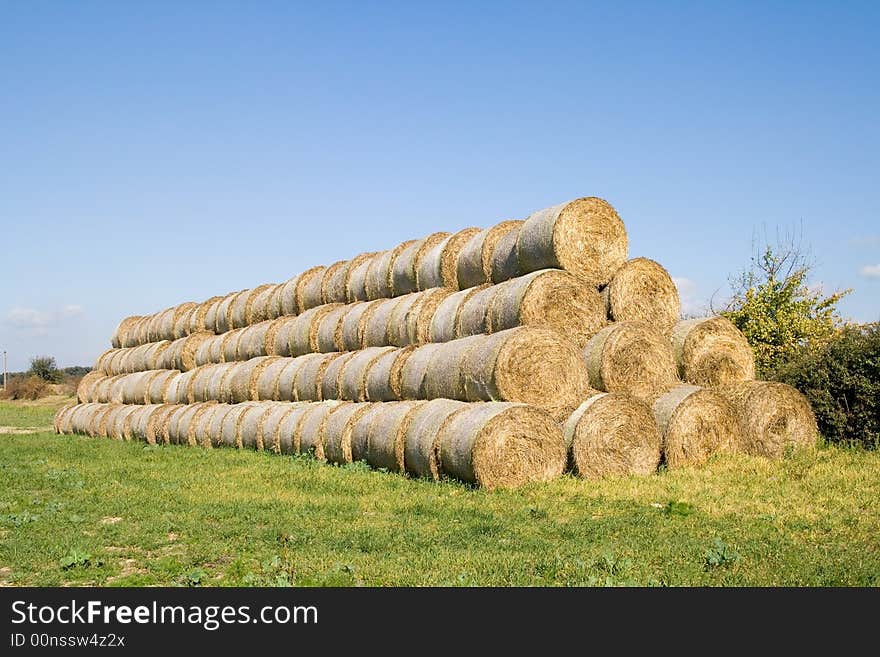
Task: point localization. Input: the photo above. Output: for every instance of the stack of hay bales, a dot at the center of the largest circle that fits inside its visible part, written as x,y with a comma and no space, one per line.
498,357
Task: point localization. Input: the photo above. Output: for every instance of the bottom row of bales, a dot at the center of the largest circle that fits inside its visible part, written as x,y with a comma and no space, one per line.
491,444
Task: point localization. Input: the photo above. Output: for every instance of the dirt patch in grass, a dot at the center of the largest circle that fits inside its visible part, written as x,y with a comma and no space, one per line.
22,430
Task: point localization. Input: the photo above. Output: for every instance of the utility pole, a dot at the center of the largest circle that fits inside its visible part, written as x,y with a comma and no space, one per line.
4,369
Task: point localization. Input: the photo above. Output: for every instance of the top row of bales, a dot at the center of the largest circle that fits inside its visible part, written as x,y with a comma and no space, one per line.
585,237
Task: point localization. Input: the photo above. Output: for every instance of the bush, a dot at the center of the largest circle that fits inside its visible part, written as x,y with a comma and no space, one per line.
45,368
842,381
25,387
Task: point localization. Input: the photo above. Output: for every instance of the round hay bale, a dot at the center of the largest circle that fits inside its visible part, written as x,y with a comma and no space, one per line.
252,343
310,435
472,314
116,421
286,298
255,306
350,335
330,381
75,422
356,277
243,382
268,437
336,431
137,388
427,260
352,381
278,336
288,436
268,380
116,364
403,269
177,424
200,427
304,333
209,351
360,430
58,422
273,302
104,360
190,423
548,298
376,322
197,391
585,237
230,345
85,391
215,424
135,427
412,371
450,254
308,383
206,315
156,424
189,347
474,266
695,423
158,388
445,318
183,321
308,289
104,388
229,428
421,438
153,358
333,282
221,314
328,328
99,423
630,357
443,375
402,323
643,291
251,425
120,333
379,275
166,324
773,417
219,385
149,330
285,384
421,315
712,352
504,264
501,445
385,427
178,390
237,310
613,434
534,366
379,375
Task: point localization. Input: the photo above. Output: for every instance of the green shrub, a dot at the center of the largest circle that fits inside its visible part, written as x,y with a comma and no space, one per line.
842,381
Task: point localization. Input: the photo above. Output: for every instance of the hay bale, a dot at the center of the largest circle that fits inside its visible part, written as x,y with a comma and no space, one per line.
243,383
238,310
273,303
136,389
403,321
445,318
104,359
352,377
329,328
421,316
206,316
501,445
230,435
135,427
448,256
444,373
200,428
613,434
378,284
288,436
58,421
472,314
197,391
178,390
403,269
215,424
220,383
309,429
534,366
252,343
120,333
286,298
333,282
257,307
630,357
251,425
85,391
177,424
360,430
385,428
548,298
285,385
308,289
230,345
474,266
269,436
695,423
413,370
304,332
185,358
422,436
278,336
643,291
308,383
376,321
116,421
158,387
350,336
183,319
429,273
504,263
382,382
331,379
221,315
156,432
356,277
773,417
336,431
269,379
584,237
712,352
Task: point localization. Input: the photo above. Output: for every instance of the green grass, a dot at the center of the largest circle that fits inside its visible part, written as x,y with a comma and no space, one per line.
78,510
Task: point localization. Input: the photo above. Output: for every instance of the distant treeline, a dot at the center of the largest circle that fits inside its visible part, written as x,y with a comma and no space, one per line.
75,371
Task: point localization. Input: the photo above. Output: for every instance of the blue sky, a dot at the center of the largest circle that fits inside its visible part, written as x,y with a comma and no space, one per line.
153,153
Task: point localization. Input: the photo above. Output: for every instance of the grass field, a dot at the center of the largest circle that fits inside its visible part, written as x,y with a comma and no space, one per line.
77,510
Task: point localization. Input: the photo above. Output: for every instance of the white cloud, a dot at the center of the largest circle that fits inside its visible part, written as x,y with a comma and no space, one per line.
40,322
688,292
870,271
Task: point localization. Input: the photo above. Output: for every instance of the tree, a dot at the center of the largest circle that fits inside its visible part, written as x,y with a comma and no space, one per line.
776,309
45,368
